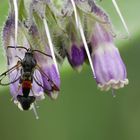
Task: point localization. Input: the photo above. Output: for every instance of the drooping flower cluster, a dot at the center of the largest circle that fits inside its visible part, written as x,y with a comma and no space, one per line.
76,29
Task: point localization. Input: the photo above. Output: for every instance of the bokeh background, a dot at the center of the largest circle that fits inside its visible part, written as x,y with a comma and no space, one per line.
82,112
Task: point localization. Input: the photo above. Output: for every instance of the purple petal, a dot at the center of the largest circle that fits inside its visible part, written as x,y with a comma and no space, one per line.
12,59
51,79
76,56
37,90
109,68
100,35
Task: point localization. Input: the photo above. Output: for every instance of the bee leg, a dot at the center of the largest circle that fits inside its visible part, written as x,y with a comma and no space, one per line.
19,86
35,103
34,107
12,99
35,112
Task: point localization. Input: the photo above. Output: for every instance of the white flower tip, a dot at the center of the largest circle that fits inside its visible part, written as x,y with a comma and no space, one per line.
113,84
54,95
40,96
79,68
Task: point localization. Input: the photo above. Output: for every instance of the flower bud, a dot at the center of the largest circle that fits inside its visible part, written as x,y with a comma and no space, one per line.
76,56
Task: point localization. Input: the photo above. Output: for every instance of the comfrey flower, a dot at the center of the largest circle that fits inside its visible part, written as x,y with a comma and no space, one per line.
109,68
107,65
13,56
76,56
78,30
47,66
45,75
81,14
74,48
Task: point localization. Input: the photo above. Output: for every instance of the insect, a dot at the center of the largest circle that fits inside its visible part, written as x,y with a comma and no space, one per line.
27,67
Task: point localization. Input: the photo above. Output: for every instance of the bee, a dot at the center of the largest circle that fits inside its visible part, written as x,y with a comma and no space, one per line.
27,67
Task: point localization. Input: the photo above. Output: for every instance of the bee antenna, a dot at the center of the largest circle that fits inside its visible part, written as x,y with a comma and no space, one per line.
42,53
19,47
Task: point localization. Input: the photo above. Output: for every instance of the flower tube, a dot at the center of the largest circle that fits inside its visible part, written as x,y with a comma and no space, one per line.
109,67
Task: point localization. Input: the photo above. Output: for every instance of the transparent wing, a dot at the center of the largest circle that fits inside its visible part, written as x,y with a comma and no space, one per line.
45,76
10,76
37,78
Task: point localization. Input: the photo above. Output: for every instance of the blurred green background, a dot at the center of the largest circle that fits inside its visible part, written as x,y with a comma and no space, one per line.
82,112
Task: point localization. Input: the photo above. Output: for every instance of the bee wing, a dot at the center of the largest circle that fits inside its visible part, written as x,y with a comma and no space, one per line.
46,77
10,76
37,78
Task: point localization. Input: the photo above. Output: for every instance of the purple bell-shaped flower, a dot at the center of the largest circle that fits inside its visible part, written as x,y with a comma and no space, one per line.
109,68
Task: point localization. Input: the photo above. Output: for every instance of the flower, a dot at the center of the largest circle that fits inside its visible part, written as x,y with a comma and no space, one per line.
109,68
54,34
46,76
13,56
76,56
50,76
85,13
